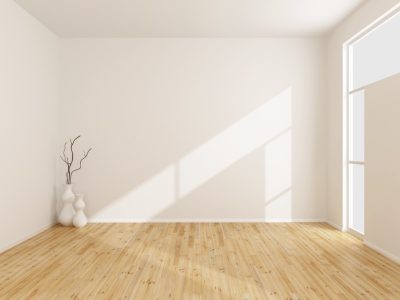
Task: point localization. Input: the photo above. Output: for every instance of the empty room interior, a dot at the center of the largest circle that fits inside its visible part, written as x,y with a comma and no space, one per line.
214,149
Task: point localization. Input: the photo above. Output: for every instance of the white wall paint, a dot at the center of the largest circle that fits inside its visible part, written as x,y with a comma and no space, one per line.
29,59
355,23
198,129
382,165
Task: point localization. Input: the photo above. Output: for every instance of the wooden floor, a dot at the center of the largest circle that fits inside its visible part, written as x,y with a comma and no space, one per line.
196,261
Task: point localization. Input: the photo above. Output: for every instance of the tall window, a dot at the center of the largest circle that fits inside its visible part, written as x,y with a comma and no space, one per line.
371,57
356,160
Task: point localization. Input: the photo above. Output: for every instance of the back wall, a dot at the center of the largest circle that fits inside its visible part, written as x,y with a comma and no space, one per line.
198,129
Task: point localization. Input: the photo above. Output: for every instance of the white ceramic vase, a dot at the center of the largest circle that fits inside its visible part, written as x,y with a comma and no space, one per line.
80,219
67,212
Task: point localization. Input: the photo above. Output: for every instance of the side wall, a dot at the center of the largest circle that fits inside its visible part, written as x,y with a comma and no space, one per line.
198,129
29,59
364,16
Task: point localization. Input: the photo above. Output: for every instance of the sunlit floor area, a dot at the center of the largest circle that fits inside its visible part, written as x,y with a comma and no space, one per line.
197,260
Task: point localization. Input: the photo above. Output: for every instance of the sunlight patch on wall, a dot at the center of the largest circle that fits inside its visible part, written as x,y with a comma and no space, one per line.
278,178
234,143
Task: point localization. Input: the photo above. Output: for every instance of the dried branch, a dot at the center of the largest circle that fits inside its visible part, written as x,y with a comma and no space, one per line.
68,177
80,162
68,162
65,158
72,142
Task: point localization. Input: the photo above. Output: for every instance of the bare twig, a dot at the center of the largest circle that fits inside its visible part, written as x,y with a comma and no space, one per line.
72,144
68,162
68,178
80,162
65,156
63,159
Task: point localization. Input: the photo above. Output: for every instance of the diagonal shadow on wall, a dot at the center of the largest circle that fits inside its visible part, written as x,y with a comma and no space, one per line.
251,159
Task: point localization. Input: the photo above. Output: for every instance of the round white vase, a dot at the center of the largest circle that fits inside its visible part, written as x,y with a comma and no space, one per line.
80,219
67,212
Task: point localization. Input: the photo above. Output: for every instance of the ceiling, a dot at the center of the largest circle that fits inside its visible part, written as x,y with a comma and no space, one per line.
189,18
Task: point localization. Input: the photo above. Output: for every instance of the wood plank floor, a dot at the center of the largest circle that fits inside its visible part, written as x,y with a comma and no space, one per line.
197,261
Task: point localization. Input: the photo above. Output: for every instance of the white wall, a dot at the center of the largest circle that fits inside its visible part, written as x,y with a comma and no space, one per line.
198,129
382,165
355,23
29,60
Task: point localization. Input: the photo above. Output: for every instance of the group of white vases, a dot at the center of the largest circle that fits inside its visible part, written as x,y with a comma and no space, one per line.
72,210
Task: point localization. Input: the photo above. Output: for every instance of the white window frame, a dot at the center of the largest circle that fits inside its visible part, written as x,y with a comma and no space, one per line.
347,92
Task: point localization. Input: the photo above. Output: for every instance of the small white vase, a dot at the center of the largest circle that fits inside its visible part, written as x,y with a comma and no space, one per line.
67,212
80,219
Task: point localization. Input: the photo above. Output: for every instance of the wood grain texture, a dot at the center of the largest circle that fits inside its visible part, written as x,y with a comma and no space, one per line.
197,261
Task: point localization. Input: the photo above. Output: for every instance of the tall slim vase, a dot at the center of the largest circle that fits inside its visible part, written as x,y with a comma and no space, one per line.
80,219
67,212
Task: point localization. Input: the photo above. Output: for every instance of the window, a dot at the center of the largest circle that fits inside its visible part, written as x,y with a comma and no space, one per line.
356,161
369,57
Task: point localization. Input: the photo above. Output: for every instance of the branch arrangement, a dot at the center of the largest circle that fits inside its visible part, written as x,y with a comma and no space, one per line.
69,160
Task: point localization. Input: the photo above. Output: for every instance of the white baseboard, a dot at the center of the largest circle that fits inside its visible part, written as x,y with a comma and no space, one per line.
383,252
27,237
340,228
355,233
227,220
